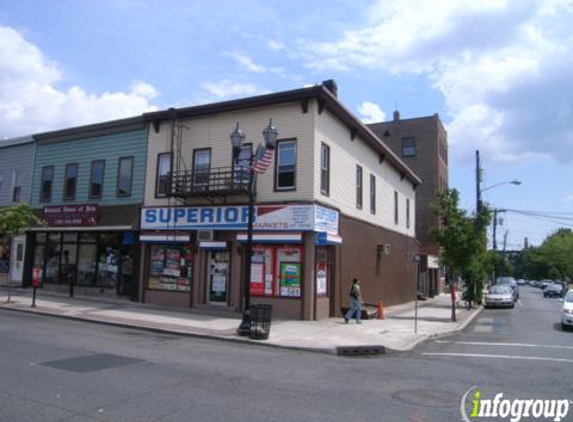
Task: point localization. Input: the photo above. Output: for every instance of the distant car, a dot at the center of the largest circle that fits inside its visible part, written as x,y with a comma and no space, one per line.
553,290
499,296
567,311
521,282
511,282
545,283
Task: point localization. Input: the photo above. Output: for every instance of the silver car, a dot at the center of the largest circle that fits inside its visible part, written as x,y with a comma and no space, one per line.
500,296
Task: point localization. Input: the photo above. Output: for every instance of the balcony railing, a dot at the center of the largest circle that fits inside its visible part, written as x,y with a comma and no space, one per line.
216,181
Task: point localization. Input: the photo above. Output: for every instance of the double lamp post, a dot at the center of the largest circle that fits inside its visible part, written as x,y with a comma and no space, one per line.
270,135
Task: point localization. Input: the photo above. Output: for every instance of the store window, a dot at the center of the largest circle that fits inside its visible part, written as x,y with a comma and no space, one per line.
108,259
53,254
124,176
276,271
170,267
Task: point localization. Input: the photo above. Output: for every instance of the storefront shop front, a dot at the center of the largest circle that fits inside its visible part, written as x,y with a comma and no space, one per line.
77,256
197,254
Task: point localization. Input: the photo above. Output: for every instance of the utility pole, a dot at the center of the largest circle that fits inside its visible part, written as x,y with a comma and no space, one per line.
494,230
478,181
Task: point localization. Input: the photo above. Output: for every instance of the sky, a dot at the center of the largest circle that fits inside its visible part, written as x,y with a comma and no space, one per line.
498,73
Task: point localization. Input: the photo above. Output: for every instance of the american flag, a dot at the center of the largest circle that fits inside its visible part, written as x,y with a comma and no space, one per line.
263,159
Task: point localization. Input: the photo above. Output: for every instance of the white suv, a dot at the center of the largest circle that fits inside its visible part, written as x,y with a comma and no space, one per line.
567,312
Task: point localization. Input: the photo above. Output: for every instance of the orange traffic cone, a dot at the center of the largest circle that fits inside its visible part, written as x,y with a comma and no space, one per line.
380,310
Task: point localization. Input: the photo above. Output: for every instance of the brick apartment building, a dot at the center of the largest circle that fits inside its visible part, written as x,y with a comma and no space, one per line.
422,143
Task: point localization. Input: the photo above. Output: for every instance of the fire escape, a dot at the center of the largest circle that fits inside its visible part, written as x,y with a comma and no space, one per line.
188,181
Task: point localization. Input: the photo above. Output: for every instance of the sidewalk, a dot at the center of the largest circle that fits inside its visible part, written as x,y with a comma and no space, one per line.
394,333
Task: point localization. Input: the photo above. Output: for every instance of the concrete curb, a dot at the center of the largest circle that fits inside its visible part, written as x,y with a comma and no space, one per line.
341,350
246,341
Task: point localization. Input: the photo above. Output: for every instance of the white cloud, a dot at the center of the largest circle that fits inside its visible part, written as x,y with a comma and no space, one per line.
503,67
371,113
227,89
247,62
275,45
31,102
569,198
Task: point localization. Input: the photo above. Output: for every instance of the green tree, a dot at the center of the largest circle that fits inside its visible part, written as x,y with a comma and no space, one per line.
553,258
463,241
14,220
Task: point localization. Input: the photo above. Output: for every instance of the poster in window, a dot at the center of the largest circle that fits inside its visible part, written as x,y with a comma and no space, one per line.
287,253
290,279
257,279
264,254
321,278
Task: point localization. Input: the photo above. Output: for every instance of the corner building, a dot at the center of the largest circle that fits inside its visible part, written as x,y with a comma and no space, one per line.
335,203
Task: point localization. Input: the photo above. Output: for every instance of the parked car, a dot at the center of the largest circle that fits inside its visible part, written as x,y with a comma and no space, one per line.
567,311
511,282
499,296
553,290
545,283
521,282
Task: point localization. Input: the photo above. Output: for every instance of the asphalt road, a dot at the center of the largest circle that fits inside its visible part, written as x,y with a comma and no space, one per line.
60,370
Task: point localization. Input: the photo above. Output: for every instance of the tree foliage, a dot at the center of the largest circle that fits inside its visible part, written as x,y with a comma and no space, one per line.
553,259
13,220
463,241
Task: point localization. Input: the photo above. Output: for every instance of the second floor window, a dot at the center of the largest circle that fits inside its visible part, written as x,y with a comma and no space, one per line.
372,194
409,147
359,187
70,181
16,194
396,215
201,166
96,179
242,163
286,165
47,182
324,169
163,174
124,176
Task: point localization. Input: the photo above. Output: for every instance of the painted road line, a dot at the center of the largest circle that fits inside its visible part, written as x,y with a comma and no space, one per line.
485,343
519,302
477,355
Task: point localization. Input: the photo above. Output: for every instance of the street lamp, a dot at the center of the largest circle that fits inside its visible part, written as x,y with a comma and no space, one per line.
270,135
509,182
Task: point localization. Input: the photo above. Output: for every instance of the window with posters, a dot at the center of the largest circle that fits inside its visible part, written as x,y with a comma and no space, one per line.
269,277
170,268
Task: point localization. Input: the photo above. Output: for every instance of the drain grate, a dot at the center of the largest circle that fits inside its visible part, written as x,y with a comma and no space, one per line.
360,350
91,363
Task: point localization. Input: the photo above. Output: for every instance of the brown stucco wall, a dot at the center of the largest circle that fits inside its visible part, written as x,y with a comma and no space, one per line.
385,277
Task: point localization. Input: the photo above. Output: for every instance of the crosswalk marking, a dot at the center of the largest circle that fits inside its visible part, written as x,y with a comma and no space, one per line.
485,343
478,355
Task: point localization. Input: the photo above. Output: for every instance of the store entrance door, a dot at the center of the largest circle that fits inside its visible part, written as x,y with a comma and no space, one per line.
18,246
218,292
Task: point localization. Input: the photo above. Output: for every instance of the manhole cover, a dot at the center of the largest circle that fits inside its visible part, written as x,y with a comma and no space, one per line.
91,363
428,398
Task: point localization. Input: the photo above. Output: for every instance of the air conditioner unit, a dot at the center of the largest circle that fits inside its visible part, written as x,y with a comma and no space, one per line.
387,248
204,235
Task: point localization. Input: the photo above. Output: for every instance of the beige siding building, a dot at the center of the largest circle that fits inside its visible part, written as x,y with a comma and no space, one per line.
334,204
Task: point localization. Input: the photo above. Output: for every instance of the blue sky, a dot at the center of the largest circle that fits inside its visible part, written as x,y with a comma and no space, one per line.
497,72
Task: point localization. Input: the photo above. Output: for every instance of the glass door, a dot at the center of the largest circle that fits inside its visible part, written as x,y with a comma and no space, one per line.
218,277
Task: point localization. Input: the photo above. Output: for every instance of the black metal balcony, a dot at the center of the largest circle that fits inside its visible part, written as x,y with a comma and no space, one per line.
216,181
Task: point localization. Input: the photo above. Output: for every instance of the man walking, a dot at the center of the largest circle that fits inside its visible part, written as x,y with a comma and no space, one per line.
355,302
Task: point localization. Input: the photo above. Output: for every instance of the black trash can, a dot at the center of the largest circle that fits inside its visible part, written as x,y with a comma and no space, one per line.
261,316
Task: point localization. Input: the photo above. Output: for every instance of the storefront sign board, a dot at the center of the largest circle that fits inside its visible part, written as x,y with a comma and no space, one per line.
70,215
267,218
